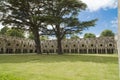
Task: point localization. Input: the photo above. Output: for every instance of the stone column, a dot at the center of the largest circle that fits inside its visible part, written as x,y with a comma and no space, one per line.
106,51
96,50
4,50
21,50
87,51
14,50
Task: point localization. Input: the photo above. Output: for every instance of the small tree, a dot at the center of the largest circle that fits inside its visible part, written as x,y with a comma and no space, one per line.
107,33
15,32
89,35
74,36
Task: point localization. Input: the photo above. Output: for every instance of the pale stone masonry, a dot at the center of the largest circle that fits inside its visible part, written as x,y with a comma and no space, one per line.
88,45
16,45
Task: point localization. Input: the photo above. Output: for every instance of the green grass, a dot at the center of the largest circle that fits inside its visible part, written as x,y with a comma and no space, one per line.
58,67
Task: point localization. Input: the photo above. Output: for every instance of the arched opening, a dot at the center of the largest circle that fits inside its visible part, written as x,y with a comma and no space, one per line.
31,51
110,51
90,51
76,51
103,50
80,50
72,50
25,51
66,50
85,51
51,50
9,50
99,51
94,51
2,50
18,51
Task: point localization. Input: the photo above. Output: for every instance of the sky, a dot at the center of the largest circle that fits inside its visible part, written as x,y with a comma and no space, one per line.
106,11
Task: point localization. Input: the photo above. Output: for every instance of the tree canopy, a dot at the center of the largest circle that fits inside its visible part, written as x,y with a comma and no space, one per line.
89,35
62,16
36,15
107,33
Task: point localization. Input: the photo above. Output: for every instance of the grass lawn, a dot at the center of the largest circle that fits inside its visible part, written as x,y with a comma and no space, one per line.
58,67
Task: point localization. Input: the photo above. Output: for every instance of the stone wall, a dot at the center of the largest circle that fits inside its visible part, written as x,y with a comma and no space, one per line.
88,45
16,45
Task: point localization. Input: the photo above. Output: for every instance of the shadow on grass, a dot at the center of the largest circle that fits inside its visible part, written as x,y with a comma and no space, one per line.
34,58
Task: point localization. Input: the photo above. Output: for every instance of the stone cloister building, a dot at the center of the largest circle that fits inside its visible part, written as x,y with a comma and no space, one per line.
83,45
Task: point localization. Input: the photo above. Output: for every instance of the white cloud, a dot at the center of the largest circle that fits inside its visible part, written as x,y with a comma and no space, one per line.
1,26
94,5
98,35
49,27
114,23
52,38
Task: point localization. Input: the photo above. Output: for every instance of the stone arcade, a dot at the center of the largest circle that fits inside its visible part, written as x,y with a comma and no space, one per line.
88,45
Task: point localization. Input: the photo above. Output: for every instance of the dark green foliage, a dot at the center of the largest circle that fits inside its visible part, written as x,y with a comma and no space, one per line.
106,33
4,30
73,36
15,33
31,36
89,35
12,32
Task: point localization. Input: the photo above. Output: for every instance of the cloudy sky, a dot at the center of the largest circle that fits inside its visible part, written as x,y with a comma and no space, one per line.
105,11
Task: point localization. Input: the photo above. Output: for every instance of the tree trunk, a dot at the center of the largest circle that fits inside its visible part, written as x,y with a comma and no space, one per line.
59,44
37,42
